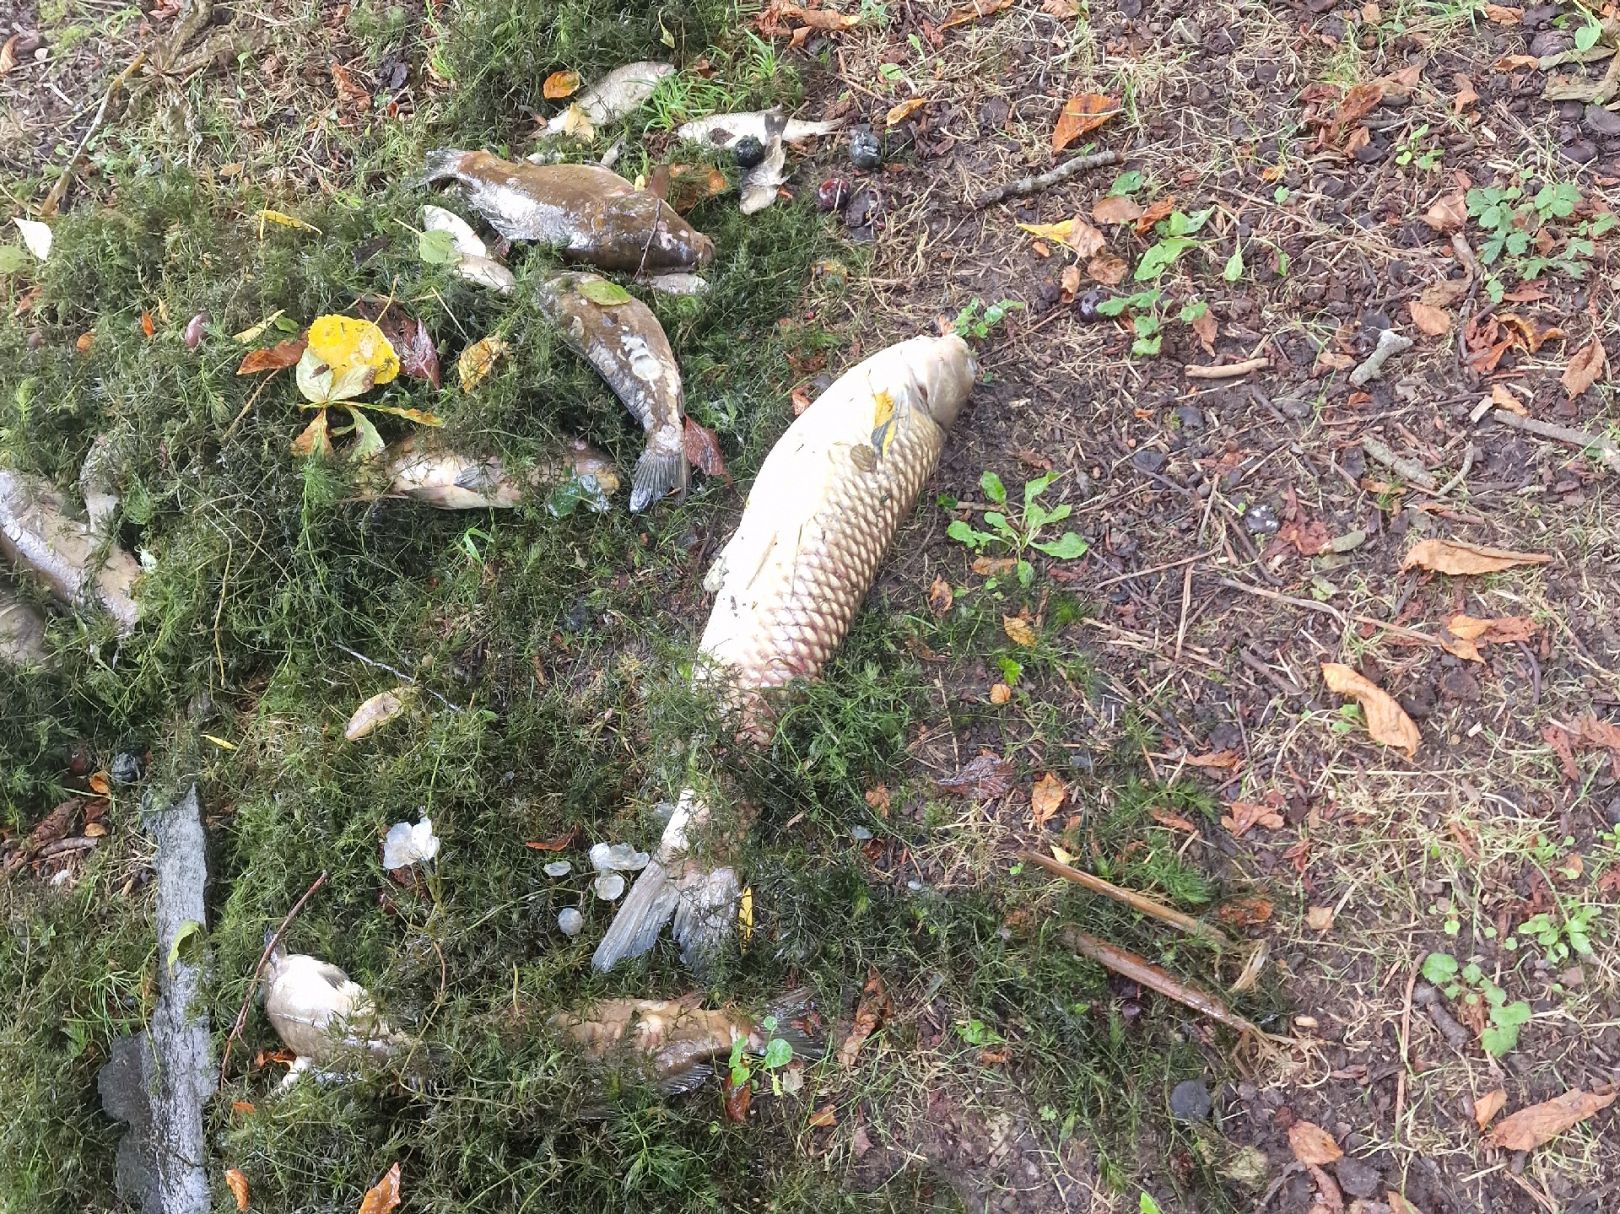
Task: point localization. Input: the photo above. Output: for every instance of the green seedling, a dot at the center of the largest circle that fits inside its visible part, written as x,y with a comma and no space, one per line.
1176,234
1526,235
1562,938
778,1053
1146,320
976,320
1411,151
1470,983
1018,533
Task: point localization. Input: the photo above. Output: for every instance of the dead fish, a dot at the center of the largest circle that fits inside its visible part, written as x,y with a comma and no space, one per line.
623,340
449,480
22,631
679,1044
473,260
36,534
322,1016
822,511
618,94
674,284
585,212
725,130
101,478
760,182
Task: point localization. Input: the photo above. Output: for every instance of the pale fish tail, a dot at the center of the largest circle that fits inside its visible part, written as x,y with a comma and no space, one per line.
702,901
799,1024
661,470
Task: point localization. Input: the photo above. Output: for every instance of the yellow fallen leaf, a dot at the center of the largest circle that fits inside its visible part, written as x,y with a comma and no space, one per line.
477,360
1061,855
281,219
238,1185
1045,799
1018,630
559,85
346,357
1079,235
251,334
1387,721
899,113
1458,558
745,916
377,711
222,743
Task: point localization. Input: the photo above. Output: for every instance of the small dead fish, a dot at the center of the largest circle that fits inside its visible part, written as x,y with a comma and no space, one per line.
322,1016
101,478
760,182
726,130
36,534
820,515
625,343
674,284
22,631
449,480
585,212
679,1044
618,94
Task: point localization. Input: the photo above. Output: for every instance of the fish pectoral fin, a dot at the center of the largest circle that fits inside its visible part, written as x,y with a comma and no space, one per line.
689,1080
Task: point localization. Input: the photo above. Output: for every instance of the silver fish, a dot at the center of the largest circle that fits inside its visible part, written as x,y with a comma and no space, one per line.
618,94
71,557
585,212
473,260
674,284
625,343
448,480
22,631
726,130
822,512
322,1016
760,182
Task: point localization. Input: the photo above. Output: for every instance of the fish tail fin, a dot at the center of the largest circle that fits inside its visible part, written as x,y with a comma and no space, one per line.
706,913
799,1023
642,915
441,163
659,472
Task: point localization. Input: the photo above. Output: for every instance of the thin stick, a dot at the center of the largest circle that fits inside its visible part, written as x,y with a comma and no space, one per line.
258,972
399,674
54,198
1230,371
1030,185
1125,577
1143,972
1137,902
1344,617
1413,471
1600,447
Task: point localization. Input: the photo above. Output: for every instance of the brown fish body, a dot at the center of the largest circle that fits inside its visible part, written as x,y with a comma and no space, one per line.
625,343
585,212
37,535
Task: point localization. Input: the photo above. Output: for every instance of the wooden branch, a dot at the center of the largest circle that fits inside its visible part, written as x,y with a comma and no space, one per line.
1031,185
1229,371
1598,446
1137,902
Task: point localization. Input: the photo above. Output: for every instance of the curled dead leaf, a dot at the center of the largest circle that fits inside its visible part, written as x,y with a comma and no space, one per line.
974,10
477,360
1387,721
1117,208
1018,630
1081,114
383,1196
1312,1145
377,711
1107,269
1541,1123
559,85
823,1117
1447,213
899,113
984,777
272,358
1246,815
940,598
870,1013
1045,799
735,1098
1155,212
703,450
1000,694
1585,368
1466,96
1430,320
1488,1106
1249,911
1456,557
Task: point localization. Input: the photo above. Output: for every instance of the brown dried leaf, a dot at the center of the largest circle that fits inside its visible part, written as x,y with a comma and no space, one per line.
315,438
1466,96
1107,269
351,94
1387,721
1018,630
1598,733
870,1013
148,326
1000,694
817,18
56,824
382,1197
878,798
1312,1145
1063,10
1069,281
1172,821
1220,760
8,54
983,778
975,10
1205,328
1399,1204
1435,322
238,1185
1457,557
418,356
1447,213
823,1117
273,358
703,450
1246,815
993,566
1045,799
735,1098
1504,14
940,598
1319,918
801,399
686,185
1082,113
1117,208
1529,1128
559,85
1562,748
1154,213
556,844
1245,912
1585,368
1488,1106
899,113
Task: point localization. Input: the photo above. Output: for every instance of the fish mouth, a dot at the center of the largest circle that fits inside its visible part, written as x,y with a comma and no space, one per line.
702,250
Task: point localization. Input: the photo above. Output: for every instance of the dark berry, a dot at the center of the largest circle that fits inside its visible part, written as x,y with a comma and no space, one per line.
748,151
833,194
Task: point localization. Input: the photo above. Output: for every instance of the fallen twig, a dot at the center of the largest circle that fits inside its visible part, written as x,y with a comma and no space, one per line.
258,972
400,674
1407,469
54,198
1230,371
1598,447
1143,972
1390,343
1344,617
1031,185
1132,899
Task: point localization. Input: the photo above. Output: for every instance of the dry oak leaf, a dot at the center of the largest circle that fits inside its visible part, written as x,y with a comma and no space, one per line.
1045,799
1433,321
1585,368
1488,1106
1387,721
1529,1128
1082,113
238,1185
382,1197
1457,558
1312,1145
1117,208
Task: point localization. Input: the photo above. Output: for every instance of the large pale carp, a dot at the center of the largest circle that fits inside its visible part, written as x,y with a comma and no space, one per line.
819,518
450,480
618,335
678,1044
618,94
324,1017
727,130
584,212
75,560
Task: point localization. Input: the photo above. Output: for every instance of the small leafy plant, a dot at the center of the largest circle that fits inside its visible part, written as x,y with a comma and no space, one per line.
976,320
1176,234
1146,320
1469,981
1522,233
1412,151
778,1053
1560,938
1018,533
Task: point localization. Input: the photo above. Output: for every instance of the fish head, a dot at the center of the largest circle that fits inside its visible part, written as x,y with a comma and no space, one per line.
942,373
587,460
